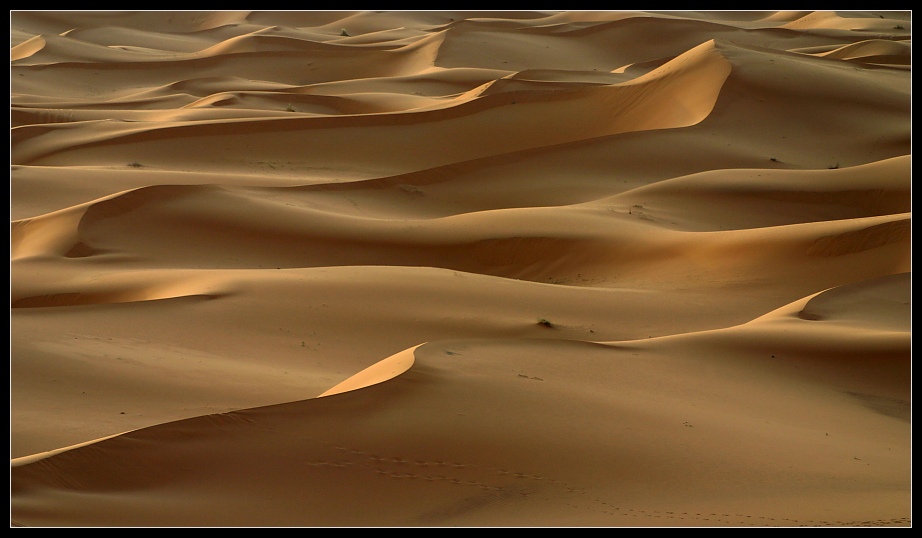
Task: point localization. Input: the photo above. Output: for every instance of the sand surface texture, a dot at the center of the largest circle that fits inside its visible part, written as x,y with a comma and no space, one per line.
448,268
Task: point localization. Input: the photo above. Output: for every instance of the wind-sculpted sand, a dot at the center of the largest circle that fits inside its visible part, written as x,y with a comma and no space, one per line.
460,269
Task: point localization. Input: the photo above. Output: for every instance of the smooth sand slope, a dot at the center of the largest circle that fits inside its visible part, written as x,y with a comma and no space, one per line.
447,268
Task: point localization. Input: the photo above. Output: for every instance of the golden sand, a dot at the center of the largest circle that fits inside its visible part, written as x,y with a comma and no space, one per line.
460,269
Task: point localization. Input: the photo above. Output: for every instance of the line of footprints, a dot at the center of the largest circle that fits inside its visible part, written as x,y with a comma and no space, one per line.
415,470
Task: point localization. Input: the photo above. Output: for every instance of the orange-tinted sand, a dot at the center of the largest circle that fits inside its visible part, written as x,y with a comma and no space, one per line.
446,268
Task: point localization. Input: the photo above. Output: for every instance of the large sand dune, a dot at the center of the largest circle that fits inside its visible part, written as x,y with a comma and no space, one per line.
460,268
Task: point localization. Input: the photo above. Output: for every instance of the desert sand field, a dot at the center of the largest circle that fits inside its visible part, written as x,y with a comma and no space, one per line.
460,269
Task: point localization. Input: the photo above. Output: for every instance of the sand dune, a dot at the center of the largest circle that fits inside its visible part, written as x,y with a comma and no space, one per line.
460,268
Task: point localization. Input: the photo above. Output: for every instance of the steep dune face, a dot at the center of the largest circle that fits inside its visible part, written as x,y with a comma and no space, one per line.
378,372
460,268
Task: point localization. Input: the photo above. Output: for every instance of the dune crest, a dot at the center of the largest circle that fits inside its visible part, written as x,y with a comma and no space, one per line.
27,48
883,303
26,460
379,372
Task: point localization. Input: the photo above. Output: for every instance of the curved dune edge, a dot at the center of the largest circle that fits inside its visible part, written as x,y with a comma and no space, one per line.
26,460
131,287
869,49
379,372
881,292
872,300
27,48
